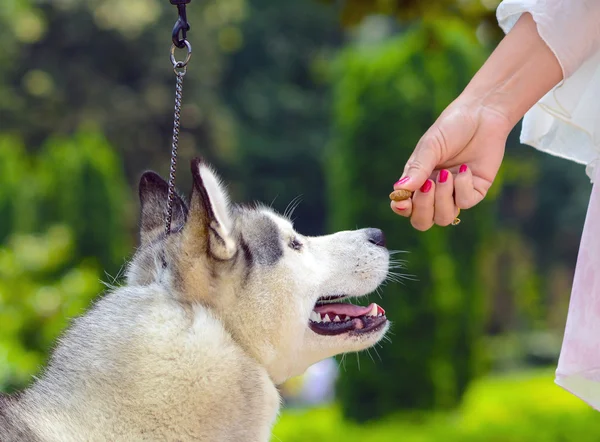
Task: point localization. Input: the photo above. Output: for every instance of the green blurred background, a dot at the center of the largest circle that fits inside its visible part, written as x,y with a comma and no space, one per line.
324,99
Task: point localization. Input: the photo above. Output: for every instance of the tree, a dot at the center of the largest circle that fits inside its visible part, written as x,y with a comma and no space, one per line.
106,63
385,99
473,12
276,88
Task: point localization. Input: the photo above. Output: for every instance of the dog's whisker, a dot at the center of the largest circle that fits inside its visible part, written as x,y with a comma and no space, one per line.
395,252
342,362
273,202
370,355
287,208
408,276
377,353
404,279
291,207
394,279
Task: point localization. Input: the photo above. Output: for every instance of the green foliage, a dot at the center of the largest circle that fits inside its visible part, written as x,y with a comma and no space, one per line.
65,217
520,408
437,321
66,63
39,291
16,199
84,187
475,13
280,100
78,181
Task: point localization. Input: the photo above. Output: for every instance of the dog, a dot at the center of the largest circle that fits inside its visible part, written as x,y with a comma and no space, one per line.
209,320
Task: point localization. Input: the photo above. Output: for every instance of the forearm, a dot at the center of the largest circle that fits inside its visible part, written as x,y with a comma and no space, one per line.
520,71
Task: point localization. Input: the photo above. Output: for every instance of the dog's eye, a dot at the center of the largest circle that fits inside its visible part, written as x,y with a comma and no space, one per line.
295,244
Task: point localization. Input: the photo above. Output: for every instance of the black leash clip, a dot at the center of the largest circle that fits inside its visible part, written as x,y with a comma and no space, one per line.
181,26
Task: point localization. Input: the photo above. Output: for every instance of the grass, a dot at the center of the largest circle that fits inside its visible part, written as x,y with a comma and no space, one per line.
527,407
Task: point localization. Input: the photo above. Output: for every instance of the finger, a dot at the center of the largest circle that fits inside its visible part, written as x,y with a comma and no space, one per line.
423,209
402,208
444,208
465,194
419,166
451,132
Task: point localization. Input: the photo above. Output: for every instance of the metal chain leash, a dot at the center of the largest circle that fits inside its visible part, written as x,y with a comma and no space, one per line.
180,69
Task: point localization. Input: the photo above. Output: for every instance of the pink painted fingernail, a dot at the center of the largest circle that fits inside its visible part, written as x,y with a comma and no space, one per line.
463,168
443,176
427,186
402,181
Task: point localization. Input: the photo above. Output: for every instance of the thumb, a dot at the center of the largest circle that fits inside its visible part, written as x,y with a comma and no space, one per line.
447,137
420,165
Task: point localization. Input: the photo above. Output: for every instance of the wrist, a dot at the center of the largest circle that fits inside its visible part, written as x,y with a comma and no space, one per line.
518,73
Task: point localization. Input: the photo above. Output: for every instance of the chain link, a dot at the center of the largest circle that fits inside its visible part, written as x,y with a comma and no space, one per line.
180,68
179,73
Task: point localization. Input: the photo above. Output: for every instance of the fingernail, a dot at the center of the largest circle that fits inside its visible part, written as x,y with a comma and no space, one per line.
402,181
463,168
443,176
427,186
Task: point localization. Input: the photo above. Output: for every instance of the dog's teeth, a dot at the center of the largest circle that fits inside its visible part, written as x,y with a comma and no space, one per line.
373,311
326,318
314,316
336,319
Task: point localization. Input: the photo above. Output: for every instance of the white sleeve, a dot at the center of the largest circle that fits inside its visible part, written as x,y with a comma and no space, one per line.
566,121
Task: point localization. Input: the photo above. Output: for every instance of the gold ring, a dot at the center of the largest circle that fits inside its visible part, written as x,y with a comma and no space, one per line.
456,221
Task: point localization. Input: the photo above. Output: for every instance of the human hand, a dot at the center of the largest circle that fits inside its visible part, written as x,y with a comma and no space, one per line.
453,165
456,161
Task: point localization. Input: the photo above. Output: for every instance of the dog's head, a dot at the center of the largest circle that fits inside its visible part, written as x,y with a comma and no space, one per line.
276,291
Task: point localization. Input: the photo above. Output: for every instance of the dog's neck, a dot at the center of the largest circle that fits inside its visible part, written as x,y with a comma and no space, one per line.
141,364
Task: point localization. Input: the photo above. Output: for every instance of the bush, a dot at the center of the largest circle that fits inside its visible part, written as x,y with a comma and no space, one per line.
38,294
385,99
65,218
78,181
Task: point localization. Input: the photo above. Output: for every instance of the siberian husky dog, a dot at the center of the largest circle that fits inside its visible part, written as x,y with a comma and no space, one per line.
211,318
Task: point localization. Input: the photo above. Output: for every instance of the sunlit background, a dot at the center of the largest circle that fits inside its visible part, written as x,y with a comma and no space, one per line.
323,99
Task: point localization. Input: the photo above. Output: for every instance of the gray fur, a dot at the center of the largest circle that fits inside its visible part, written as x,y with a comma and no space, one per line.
13,429
262,236
153,191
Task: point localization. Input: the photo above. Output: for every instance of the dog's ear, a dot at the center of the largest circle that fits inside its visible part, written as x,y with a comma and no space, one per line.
209,227
153,192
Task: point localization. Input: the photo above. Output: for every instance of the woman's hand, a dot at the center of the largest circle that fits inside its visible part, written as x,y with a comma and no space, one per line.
456,161
453,165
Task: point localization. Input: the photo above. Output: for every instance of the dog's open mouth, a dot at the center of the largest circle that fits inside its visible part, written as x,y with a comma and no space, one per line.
334,318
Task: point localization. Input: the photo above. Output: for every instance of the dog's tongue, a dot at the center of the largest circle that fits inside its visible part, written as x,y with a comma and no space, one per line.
348,309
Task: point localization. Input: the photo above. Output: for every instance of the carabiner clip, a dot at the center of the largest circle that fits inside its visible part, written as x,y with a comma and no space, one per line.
181,25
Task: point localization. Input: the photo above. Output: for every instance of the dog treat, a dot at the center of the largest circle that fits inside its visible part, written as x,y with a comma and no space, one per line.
400,195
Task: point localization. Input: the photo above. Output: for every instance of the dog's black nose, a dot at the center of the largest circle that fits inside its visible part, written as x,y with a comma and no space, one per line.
376,236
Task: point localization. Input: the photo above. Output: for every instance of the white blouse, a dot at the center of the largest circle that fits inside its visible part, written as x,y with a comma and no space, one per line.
566,121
